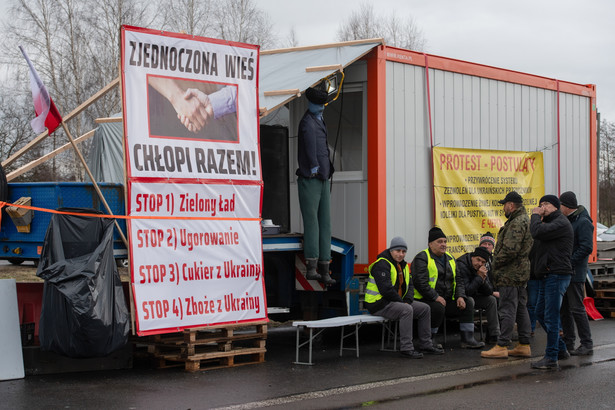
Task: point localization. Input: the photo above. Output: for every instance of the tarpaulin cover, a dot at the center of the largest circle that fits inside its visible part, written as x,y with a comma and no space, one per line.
84,312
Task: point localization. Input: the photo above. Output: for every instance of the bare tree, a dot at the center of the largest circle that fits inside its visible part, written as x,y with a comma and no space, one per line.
606,166
74,45
14,123
361,24
291,39
189,16
103,51
403,33
243,21
396,31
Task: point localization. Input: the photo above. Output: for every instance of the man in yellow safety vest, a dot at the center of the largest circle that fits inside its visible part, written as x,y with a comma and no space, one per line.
389,293
434,274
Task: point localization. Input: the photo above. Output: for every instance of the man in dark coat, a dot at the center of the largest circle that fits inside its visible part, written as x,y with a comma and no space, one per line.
472,268
434,274
554,239
313,185
389,293
573,310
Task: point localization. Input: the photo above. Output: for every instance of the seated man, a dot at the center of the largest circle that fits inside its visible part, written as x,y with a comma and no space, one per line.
472,268
434,274
389,293
487,241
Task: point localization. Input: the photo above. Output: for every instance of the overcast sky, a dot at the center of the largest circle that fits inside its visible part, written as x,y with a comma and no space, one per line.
570,40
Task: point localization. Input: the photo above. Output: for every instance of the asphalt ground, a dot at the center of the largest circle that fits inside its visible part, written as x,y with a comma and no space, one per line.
332,382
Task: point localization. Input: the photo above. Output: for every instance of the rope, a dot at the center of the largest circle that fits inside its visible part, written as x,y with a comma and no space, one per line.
196,218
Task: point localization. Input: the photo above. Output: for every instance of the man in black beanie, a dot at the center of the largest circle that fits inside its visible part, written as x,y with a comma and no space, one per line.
472,268
573,311
313,185
554,238
487,241
434,274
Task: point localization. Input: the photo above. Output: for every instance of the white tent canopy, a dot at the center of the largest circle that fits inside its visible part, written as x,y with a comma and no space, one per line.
286,73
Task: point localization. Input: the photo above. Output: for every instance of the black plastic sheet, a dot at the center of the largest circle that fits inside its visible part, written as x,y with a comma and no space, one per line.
84,312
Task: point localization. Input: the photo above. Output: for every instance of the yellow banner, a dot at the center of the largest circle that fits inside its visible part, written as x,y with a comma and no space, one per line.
468,184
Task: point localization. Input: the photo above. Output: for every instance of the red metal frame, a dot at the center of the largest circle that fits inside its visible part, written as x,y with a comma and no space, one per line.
376,153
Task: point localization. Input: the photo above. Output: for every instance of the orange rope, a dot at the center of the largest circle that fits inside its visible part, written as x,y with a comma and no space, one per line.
197,218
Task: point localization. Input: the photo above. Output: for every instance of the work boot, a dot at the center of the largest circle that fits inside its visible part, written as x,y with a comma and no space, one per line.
411,354
310,269
468,341
521,350
323,270
496,352
431,349
563,355
545,364
582,351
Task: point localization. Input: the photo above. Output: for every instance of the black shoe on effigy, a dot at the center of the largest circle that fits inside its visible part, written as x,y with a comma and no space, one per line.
563,355
411,354
582,351
431,350
545,364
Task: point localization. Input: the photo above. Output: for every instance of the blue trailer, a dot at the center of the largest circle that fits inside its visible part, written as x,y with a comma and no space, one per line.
18,247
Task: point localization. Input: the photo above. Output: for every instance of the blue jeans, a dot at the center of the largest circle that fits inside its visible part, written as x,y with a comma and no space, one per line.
532,298
550,295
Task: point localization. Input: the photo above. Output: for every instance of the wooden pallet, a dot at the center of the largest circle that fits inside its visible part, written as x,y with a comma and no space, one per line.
605,293
606,311
209,348
602,283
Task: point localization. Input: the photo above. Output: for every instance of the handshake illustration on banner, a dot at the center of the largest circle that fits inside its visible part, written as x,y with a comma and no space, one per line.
195,108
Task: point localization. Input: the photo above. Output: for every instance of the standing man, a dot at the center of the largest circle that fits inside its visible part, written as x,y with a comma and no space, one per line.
314,173
472,268
390,294
554,240
434,274
511,269
573,310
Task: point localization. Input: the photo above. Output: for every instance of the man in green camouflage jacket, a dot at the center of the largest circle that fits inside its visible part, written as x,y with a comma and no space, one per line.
511,267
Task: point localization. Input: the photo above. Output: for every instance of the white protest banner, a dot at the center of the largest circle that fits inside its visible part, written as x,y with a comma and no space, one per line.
194,180
212,83
190,273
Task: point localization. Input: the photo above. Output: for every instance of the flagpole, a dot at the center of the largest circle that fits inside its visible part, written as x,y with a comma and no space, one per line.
70,115
96,187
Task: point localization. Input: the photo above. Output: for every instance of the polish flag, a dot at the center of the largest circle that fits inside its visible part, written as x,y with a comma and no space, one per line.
47,115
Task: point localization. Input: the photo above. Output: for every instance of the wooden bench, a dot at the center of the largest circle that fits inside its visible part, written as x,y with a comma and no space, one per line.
388,332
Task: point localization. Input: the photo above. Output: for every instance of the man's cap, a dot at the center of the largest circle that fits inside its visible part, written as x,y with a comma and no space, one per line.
487,237
569,200
552,199
316,95
482,253
398,243
512,196
435,233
